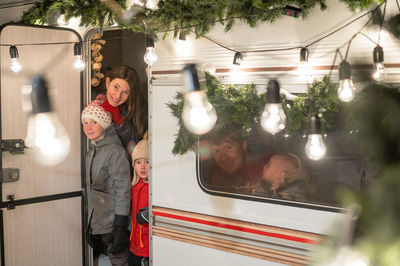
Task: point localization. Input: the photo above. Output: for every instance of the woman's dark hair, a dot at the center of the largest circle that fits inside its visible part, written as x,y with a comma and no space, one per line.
136,105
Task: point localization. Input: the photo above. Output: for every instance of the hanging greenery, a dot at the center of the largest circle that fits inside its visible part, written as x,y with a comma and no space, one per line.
243,105
189,15
320,99
375,235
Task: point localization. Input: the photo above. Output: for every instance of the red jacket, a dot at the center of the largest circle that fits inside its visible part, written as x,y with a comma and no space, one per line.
140,233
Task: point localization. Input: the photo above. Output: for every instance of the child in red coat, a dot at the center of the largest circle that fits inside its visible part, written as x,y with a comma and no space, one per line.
139,245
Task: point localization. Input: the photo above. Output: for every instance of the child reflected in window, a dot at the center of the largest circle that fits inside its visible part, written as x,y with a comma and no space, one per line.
284,177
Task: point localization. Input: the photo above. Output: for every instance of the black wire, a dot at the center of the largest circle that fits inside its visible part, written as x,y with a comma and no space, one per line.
383,18
366,36
297,47
347,24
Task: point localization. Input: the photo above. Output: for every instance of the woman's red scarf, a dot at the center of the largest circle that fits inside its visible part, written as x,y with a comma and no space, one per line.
116,115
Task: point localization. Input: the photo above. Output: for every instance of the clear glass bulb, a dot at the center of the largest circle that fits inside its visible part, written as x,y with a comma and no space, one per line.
304,71
346,90
15,65
379,73
61,20
198,114
78,64
315,147
273,118
48,139
150,57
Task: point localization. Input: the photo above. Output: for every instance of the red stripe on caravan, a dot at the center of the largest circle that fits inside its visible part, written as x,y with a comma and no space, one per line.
237,228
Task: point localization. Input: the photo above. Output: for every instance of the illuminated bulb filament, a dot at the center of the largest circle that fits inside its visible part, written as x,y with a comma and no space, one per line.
150,57
315,147
198,115
346,90
273,118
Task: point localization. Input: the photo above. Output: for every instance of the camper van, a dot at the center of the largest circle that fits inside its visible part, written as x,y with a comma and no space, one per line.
196,216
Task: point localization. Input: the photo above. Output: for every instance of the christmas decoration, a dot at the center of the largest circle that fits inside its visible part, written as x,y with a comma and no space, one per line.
169,15
243,105
97,57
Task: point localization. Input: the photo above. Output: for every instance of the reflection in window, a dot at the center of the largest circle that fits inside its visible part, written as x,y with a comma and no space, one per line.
275,166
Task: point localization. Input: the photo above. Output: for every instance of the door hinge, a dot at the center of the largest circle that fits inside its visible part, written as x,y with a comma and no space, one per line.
8,175
13,146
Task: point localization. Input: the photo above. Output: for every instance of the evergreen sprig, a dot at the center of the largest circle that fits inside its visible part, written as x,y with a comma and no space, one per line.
320,99
243,105
188,15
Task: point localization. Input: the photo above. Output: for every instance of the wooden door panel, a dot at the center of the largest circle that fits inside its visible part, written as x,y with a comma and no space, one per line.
54,62
42,230
47,233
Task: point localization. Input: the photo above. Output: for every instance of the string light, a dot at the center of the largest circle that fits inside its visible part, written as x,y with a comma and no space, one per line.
315,147
379,69
61,21
237,59
182,45
150,57
46,135
304,67
346,90
15,65
273,118
78,64
198,114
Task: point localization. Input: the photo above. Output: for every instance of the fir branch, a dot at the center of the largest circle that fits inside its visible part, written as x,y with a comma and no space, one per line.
189,15
243,105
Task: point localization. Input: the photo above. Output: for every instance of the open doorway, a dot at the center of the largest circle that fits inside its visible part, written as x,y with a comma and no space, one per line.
117,47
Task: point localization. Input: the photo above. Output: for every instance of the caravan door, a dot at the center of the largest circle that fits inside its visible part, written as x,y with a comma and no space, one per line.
41,206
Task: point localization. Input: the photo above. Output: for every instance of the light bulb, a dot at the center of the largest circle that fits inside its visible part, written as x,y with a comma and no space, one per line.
315,147
304,67
47,138
150,57
61,20
379,72
78,64
273,118
346,90
198,114
15,65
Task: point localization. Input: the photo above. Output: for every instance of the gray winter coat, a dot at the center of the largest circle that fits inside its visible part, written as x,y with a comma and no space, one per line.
108,182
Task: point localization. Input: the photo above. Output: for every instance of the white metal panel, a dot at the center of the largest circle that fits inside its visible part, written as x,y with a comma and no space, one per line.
284,33
170,252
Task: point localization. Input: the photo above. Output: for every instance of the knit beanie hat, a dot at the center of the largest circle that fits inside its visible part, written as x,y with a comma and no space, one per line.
94,111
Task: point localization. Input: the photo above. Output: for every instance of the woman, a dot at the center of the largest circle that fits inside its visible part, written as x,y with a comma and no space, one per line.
127,103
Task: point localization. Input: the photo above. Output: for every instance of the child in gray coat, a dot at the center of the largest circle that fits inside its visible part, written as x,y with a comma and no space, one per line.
107,186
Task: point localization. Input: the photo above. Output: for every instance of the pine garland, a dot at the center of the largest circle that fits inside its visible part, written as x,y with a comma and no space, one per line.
243,105
188,15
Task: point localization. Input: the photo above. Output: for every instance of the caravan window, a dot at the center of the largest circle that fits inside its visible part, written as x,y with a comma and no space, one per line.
275,168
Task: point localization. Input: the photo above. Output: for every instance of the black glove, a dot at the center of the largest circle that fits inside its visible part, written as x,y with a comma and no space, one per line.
120,234
143,215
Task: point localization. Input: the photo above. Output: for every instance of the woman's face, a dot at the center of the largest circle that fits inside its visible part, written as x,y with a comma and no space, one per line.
117,91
